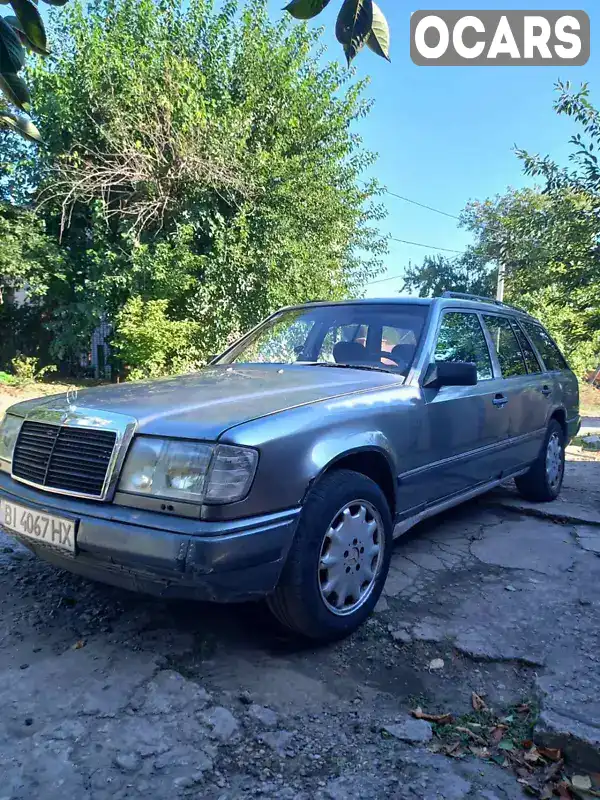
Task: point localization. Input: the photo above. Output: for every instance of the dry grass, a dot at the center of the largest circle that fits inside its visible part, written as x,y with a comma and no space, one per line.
589,400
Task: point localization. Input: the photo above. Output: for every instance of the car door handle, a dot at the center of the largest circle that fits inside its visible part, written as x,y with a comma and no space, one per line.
546,390
500,400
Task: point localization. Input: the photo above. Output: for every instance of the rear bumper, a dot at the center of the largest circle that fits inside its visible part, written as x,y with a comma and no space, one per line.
168,556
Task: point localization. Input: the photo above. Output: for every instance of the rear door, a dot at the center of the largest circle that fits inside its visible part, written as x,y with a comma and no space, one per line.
466,426
524,386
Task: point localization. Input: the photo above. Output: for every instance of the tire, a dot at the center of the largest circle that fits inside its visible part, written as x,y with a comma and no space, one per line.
543,482
331,531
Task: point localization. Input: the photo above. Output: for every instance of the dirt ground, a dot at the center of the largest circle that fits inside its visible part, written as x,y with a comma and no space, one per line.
107,694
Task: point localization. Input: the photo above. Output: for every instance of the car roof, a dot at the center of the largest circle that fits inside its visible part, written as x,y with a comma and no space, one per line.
463,301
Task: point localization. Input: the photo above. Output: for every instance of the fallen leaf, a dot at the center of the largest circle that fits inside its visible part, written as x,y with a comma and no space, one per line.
441,719
437,663
551,753
532,756
563,791
583,782
524,772
527,744
506,744
547,792
477,702
524,708
497,733
78,645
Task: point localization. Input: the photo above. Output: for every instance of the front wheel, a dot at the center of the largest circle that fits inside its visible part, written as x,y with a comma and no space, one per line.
543,482
339,560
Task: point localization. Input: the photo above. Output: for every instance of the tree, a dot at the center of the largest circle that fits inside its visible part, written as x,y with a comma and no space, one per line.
470,272
199,157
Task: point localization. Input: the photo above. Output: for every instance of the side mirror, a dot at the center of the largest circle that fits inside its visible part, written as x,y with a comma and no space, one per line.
450,373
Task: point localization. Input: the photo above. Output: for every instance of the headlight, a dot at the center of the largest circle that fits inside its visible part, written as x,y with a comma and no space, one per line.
9,430
182,470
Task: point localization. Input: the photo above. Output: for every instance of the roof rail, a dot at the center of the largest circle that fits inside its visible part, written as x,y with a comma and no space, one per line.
480,298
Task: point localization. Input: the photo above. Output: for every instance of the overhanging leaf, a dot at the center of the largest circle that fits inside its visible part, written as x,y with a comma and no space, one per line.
31,23
379,38
15,90
353,25
27,44
21,125
12,55
56,2
305,9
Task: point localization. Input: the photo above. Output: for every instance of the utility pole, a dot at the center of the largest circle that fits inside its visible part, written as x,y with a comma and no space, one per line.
500,283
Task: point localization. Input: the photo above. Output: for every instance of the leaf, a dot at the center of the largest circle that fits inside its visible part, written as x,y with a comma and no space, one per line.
12,55
506,744
353,26
56,2
379,38
551,753
498,733
31,23
477,702
441,719
305,9
21,125
15,90
78,645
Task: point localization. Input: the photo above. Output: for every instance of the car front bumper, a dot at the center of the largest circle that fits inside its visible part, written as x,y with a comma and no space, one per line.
165,555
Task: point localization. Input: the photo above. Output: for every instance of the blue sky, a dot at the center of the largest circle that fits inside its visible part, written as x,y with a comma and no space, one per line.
445,134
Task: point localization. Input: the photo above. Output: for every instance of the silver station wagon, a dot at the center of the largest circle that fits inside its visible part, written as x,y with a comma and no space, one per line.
285,468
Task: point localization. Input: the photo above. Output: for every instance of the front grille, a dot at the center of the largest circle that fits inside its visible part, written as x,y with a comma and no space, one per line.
71,459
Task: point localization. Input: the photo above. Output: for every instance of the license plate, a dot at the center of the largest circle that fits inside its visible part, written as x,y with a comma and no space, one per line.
36,525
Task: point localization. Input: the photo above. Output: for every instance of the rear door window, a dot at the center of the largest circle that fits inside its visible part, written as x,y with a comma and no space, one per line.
551,355
506,344
461,338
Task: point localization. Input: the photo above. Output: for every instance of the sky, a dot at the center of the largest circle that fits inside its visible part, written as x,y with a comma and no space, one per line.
445,135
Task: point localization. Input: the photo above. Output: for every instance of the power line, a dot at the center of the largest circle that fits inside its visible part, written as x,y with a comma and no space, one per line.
383,280
420,244
416,203
422,205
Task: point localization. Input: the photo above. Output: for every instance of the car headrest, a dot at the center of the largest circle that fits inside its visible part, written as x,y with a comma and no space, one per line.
349,353
403,353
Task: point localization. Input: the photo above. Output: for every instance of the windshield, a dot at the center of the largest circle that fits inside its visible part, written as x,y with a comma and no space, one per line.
362,335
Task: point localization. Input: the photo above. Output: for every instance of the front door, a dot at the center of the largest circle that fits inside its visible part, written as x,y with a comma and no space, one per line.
466,427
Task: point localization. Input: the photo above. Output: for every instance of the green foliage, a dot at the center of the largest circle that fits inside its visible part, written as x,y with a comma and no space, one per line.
27,369
469,272
154,343
199,158
7,379
21,32
359,22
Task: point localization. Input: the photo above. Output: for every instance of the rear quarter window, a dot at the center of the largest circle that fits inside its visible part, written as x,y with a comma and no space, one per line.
551,355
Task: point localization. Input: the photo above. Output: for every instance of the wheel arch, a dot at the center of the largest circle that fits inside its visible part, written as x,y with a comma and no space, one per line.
373,462
560,415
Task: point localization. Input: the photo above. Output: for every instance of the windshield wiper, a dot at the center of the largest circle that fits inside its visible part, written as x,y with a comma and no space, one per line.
370,367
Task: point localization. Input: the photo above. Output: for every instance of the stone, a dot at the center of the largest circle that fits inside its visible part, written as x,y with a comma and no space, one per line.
279,741
264,715
401,636
128,762
413,731
224,725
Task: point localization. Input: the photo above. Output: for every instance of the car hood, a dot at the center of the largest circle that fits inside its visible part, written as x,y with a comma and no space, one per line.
206,404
